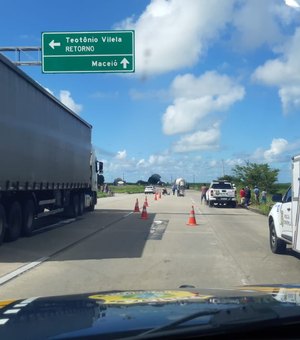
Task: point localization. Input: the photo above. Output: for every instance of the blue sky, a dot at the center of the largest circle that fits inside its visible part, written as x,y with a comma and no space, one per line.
217,83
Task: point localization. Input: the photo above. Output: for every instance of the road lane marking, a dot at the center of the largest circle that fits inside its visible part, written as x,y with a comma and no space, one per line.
27,301
21,270
10,276
128,214
12,311
3,321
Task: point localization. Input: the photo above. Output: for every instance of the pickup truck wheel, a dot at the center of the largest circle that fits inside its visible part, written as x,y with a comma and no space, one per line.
14,222
277,245
28,218
2,223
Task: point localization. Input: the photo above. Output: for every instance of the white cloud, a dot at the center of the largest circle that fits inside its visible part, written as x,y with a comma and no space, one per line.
292,3
280,150
121,155
256,24
171,34
66,99
200,140
284,73
195,98
277,148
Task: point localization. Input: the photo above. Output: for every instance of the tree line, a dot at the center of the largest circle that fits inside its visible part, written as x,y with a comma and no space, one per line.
252,174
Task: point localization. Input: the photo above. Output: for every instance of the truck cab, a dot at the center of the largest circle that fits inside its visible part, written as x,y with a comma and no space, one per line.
284,216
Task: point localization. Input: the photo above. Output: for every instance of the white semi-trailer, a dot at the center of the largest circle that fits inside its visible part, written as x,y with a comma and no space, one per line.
47,164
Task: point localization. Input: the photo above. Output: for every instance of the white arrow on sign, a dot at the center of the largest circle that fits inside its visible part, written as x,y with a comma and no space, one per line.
53,44
124,62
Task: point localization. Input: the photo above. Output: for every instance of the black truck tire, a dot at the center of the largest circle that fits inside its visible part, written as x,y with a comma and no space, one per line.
81,204
14,222
277,245
28,218
2,223
75,205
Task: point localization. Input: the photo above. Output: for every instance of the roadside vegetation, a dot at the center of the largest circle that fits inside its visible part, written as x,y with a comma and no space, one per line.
251,175
122,189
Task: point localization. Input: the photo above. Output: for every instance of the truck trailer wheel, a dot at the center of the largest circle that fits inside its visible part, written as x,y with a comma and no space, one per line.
14,222
2,223
277,245
28,218
81,204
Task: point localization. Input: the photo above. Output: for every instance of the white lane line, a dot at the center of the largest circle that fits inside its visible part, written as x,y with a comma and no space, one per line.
21,270
128,214
20,305
3,321
12,311
27,301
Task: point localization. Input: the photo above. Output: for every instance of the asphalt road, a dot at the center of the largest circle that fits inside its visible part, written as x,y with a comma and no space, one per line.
114,248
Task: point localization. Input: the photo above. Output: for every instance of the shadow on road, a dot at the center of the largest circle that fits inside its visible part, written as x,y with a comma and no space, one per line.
97,235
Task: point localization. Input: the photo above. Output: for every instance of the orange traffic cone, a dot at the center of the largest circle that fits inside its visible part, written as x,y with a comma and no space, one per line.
144,214
136,207
192,218
146,202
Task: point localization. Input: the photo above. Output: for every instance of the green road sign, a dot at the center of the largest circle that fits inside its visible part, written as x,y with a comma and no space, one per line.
80,52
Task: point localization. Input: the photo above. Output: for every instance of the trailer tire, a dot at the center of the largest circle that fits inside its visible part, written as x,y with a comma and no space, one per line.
28,218
91,207
2,223
14,222
75,206
81,204
93,203
277,245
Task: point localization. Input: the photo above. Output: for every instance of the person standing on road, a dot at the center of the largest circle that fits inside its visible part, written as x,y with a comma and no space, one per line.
204,189
242,195
256,193
174,188
247,196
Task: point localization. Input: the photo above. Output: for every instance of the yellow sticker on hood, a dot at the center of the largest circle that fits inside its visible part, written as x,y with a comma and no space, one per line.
132,297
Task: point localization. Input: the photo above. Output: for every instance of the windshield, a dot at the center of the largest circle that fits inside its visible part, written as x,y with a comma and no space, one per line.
118,116
221,186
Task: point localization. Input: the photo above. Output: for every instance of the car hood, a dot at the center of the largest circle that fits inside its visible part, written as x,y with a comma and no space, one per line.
116,314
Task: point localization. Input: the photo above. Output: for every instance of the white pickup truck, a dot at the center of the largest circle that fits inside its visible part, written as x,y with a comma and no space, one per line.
284,215
221,193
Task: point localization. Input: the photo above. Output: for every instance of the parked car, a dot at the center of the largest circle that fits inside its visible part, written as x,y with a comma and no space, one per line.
149,189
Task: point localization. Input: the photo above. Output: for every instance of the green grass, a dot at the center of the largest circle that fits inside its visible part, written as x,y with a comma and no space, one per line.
127,189
264,208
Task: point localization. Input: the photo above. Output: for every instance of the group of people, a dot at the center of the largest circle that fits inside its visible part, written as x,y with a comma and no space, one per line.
245,195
